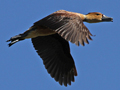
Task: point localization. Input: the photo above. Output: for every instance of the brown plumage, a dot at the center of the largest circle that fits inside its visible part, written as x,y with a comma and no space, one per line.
50,37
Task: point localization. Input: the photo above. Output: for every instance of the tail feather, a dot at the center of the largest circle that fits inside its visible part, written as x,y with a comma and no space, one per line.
15,39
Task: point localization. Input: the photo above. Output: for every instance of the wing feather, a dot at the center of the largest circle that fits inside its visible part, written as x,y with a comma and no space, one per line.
68,25
56,56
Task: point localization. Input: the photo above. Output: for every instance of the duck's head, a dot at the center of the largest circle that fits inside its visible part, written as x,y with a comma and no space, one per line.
95,17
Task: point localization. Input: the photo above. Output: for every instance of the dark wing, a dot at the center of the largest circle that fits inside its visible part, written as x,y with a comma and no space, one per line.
68,25
56,56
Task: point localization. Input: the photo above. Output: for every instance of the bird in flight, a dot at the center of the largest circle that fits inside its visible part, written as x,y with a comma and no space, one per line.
50,37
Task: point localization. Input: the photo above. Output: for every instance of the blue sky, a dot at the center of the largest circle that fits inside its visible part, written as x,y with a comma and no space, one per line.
98,64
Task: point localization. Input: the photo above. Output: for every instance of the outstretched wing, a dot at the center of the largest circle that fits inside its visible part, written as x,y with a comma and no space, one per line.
56,56
68,25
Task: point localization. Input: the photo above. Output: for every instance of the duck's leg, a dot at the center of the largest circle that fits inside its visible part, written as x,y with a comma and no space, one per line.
20,37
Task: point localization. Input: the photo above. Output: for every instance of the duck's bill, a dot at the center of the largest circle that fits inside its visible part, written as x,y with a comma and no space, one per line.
107,19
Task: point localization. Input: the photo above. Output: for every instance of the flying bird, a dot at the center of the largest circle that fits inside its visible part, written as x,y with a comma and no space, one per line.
50,37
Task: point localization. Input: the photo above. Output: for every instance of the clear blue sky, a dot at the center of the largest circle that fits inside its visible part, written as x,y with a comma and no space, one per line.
98,64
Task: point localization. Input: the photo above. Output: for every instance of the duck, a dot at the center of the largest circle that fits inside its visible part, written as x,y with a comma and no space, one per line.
51,35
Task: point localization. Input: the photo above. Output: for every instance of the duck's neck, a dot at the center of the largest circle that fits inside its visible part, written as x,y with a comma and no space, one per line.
83,17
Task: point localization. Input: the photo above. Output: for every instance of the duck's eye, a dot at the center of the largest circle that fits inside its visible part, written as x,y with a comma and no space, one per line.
97,14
